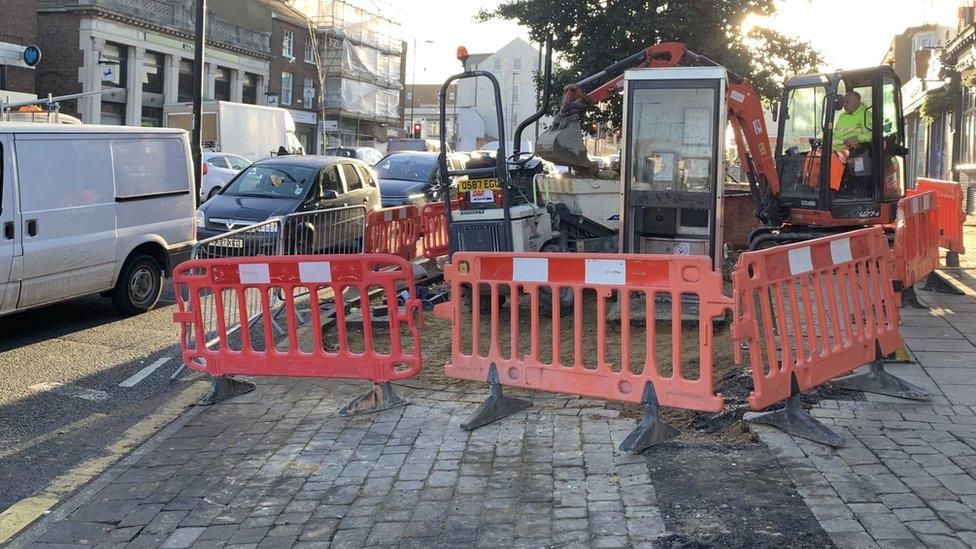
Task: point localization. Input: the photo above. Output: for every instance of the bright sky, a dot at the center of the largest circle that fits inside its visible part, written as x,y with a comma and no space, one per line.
450,23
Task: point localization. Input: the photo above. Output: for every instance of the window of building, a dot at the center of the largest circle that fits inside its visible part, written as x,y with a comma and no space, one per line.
496,64
113,113
409,96
112,63
287,41
184,90
250,89
433,128
450,96
515,93
222,84
152,117
309,53
308,93
516,64
152,74
286,88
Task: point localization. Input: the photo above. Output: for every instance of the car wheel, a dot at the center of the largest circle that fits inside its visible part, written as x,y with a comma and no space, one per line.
213,192
139,285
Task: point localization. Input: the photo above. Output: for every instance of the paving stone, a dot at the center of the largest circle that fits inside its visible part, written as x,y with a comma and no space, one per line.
884,526
183,537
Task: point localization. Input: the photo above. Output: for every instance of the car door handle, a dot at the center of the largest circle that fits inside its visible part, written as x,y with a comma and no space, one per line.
8,230
31,227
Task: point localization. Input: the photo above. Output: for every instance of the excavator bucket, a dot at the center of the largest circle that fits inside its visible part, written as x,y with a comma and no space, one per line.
563,143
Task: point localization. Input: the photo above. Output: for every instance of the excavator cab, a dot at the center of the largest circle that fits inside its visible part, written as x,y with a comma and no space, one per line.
825,182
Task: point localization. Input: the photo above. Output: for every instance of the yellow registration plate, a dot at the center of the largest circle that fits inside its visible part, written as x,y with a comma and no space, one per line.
486,184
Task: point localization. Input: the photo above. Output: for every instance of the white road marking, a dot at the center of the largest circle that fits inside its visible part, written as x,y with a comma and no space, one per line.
71,391
143,373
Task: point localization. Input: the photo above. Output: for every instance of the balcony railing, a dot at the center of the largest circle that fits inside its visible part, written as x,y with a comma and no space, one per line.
173,15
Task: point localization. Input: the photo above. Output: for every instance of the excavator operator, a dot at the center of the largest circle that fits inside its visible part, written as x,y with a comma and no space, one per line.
853,126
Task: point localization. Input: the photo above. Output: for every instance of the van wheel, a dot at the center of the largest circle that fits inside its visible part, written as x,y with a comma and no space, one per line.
139,285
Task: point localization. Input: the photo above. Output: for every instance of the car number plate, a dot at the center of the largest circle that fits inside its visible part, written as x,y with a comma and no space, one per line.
486,184
232,243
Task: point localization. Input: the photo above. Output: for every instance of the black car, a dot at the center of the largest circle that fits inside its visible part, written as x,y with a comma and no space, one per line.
410,177
368,155
284,185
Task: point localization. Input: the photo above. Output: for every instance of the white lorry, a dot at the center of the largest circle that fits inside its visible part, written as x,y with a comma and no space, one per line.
88,209
251,131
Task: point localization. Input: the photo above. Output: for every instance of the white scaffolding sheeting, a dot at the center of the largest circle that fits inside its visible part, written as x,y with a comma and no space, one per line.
362,98
369,64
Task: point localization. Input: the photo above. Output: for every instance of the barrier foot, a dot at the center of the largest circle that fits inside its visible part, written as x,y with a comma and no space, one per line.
497,406
877,380
224,387
794,420
380,397
910,299
651,430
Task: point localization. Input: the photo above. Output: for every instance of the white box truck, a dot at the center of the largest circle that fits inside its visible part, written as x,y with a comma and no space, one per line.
88,209
251,131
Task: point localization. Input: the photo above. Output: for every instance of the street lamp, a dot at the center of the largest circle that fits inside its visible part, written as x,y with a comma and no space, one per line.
414,84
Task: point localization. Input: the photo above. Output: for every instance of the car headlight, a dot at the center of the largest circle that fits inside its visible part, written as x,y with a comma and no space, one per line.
200,219
416,197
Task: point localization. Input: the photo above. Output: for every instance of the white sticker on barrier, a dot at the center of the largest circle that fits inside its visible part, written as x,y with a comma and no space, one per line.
254,273
606,271
530,269
388,215
320,271
800,260
840,251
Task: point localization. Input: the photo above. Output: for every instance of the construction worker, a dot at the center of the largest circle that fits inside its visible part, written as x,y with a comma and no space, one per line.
853,125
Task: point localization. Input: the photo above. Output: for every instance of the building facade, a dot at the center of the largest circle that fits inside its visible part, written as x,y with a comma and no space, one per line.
293,82
143,52
423,107
363,60
959,71
18,28
915,57
514,65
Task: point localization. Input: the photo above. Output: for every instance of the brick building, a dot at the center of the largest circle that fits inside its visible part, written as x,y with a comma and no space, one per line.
18,28
143,50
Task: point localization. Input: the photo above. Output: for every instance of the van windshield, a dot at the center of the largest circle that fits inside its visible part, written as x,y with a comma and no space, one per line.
272,181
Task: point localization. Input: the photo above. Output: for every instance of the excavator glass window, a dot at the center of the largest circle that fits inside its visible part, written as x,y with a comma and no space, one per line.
802,141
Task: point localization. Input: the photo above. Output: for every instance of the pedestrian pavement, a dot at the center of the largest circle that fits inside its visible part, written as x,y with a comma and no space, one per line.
278,467
907,474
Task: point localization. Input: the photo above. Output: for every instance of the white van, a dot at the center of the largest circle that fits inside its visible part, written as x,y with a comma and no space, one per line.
92,209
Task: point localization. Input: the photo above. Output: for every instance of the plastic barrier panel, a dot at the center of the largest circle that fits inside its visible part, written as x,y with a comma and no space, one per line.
587,324
814,310
949,208
433,224
393,231
379,342
916,246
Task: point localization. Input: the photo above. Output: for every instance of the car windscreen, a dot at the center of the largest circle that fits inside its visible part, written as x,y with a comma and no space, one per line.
406,167
272,181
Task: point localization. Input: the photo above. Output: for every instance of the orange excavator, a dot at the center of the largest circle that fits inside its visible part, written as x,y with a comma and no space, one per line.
797,195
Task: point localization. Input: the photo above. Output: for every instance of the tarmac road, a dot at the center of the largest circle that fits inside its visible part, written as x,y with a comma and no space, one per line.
80,385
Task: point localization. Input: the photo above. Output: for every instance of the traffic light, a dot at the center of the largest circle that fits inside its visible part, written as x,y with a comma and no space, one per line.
416,130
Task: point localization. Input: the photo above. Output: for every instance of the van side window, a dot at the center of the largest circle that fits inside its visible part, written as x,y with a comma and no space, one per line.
331,181
82,175
149,166
352,177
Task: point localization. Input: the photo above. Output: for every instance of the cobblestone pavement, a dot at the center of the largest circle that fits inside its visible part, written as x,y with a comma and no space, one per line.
278,467
907,475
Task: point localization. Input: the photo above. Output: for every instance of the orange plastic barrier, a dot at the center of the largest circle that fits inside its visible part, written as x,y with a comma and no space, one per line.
433,224
816,310
949,208
232,282
393,231
916,246
598,282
